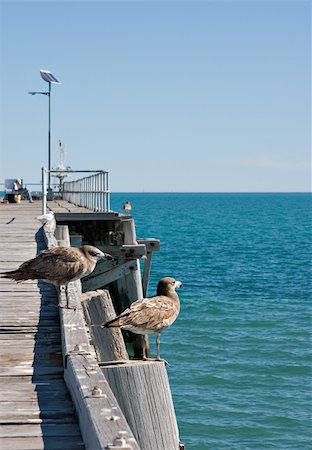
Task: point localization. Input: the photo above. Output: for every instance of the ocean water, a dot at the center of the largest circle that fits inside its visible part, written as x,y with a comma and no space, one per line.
240,351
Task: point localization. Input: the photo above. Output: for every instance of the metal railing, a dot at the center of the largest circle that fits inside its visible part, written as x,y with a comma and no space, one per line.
90,192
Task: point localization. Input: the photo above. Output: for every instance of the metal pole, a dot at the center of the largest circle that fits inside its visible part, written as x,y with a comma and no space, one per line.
44,190
49,144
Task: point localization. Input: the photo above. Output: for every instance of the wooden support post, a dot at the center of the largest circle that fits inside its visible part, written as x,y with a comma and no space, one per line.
62,235
151,246
108,342
146,273
130,287
143,394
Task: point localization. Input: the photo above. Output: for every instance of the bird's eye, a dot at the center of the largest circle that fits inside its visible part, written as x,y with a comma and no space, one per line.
93,253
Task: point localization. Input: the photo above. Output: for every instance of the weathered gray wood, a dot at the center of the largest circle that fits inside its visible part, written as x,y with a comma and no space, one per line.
46,443
142,388
69,297
100,417
39,430
83,377
62,235
146,273
33,394
98,280
151,245
74,334
143,393
130,287
50,240
108,342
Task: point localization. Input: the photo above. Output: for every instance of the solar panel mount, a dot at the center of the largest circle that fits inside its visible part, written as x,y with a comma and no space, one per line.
48,76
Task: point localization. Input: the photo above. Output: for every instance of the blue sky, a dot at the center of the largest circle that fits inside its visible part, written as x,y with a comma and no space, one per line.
210,96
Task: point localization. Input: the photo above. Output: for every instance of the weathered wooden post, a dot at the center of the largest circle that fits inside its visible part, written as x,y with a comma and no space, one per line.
108,342
143,394
62,235
130,286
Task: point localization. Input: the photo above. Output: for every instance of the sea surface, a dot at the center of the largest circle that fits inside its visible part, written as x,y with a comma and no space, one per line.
240,350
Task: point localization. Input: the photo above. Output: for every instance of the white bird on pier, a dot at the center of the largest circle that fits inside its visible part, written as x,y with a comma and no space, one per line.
152,314
48,221
59,265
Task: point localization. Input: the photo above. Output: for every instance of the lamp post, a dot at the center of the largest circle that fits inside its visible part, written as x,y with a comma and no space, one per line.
49,78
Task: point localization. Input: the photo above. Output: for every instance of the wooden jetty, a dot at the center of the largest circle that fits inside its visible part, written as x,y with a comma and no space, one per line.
36,410
66,384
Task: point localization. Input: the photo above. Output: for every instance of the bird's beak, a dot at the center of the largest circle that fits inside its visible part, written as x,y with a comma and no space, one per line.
179,284
107,256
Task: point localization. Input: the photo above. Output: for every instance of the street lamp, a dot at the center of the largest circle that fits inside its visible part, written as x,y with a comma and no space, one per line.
49,78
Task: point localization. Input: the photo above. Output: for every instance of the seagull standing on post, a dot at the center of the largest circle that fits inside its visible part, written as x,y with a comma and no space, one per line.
152,314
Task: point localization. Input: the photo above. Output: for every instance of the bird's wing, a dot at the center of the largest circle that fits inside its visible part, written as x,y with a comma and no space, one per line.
55,264
149,312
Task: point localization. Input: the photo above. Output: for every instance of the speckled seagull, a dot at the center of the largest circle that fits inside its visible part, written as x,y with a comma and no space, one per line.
152,314
59,265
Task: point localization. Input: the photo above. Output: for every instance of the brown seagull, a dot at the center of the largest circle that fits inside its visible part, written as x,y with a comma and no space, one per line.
152,314
59,265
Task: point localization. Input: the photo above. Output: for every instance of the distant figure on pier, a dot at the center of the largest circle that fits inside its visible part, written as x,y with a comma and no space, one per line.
152,314
17,185
59,265
17,190
127,206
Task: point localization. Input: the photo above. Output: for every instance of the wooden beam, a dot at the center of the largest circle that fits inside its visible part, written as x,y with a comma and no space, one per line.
108,342
99,281
100,417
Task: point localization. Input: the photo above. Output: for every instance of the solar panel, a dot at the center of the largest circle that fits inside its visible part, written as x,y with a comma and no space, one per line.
48,76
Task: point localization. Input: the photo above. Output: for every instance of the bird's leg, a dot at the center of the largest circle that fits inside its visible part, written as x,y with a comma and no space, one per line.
158,358
145,347
158,346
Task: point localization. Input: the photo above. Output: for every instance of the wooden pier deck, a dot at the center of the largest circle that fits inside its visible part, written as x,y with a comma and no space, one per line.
59,388
36,410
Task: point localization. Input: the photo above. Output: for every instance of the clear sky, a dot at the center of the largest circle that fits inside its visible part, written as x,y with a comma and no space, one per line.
209,96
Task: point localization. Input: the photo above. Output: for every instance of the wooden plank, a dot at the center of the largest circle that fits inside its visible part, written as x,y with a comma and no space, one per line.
74,334
100,417
40,354
46,443
26,370
99,280
34,392
48,430
143,393
36,383
11,411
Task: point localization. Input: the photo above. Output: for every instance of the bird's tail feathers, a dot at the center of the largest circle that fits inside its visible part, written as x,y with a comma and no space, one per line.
14,275
117,321
111,323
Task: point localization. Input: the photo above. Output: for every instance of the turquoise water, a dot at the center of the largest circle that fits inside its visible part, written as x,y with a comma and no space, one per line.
240,350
